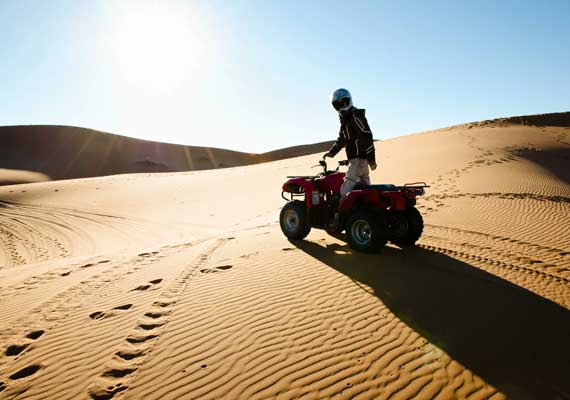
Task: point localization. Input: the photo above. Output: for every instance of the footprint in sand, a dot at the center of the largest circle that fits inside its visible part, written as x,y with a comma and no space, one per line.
130,355
35,334
15,349
142,287
148,285
25,372
154,315
215,269
102,314
119,372
123,307
162,304
148,254
97,315
149,327
140,339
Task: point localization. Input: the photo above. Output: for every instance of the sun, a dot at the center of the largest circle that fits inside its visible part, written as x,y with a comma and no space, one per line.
157,44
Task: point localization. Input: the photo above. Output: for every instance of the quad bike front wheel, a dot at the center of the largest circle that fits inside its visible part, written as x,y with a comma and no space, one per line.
366,231
406,227
293,220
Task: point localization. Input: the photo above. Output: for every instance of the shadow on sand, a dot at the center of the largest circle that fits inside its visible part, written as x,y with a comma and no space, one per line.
514,339
555,160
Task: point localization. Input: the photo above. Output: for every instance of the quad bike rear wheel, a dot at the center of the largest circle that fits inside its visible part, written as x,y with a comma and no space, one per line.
366,231
293,220
406,227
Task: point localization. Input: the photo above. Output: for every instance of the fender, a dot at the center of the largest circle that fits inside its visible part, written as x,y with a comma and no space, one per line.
374,199
355,197
299,186
331,182
397,201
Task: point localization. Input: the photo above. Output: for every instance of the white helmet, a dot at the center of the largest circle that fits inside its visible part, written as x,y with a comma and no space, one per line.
341,100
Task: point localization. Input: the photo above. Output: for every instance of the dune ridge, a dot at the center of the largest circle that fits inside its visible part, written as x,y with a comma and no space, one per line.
560,119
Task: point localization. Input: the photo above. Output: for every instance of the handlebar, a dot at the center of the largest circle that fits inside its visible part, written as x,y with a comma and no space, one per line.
323,164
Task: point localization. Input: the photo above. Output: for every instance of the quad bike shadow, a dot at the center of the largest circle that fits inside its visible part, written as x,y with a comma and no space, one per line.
514,339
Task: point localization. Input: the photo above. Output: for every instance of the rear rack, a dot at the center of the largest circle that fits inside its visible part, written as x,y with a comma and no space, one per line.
417,188
416,184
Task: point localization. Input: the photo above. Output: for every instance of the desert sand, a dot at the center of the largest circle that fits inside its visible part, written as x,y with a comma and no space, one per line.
182,286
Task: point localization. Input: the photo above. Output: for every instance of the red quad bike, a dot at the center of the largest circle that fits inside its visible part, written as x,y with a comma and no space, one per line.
371,215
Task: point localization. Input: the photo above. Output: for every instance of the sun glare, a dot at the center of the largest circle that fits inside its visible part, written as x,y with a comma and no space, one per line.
158,44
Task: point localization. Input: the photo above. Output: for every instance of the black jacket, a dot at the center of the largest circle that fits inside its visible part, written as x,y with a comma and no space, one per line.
355,135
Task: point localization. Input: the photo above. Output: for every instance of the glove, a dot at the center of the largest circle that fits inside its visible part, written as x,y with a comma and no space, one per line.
372,165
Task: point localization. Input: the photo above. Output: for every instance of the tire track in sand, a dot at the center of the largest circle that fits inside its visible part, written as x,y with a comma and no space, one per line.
34,233
70,344
115,378
9,292
544,270
50,314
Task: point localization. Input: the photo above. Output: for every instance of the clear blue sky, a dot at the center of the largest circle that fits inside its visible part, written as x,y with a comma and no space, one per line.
257,75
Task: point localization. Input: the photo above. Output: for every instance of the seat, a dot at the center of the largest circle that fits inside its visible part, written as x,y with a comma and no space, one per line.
385,187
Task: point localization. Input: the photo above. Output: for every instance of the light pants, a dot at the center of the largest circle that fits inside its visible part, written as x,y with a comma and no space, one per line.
357,169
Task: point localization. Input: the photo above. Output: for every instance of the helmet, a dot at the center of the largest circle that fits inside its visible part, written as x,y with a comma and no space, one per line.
341,100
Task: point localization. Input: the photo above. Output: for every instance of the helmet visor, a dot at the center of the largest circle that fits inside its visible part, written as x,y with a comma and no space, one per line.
341,103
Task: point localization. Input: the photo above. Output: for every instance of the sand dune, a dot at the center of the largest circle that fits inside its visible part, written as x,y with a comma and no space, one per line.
181,285
14,177
66,152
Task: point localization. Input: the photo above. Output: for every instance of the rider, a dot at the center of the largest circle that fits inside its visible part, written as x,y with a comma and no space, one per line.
356,136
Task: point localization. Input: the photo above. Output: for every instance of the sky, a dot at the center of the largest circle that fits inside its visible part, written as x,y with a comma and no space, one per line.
255,76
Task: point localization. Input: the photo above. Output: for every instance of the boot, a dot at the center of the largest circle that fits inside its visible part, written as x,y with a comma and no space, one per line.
334,225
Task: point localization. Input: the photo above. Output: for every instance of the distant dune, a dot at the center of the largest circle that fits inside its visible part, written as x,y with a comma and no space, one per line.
65,152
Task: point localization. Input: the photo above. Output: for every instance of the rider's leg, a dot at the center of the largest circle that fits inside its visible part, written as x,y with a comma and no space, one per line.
364,171
351,177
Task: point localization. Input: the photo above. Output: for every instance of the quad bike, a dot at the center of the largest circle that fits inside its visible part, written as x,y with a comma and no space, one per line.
370,215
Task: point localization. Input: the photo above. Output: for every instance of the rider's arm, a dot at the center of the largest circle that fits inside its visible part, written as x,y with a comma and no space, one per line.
366,142
338,145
